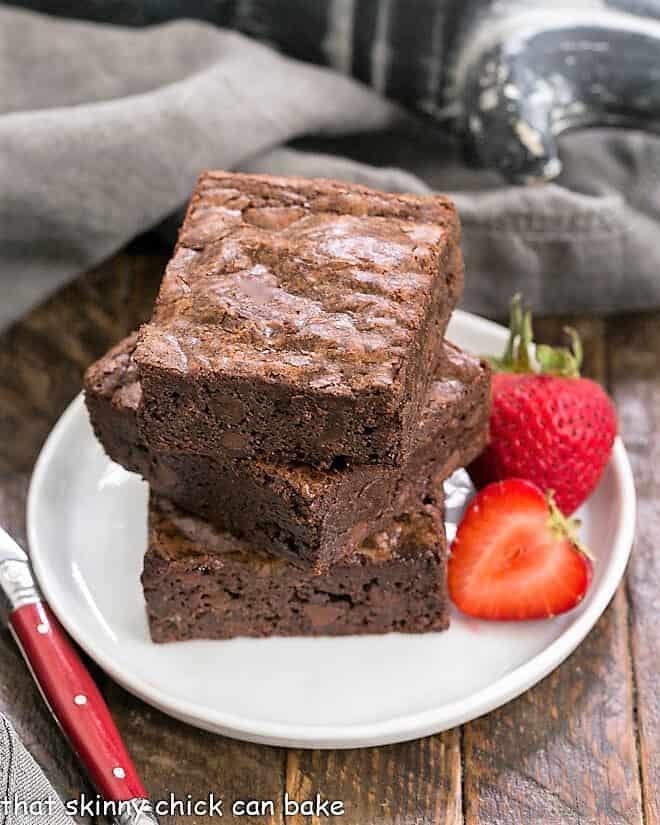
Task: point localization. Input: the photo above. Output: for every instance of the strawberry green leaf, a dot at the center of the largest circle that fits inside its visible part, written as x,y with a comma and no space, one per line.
560,360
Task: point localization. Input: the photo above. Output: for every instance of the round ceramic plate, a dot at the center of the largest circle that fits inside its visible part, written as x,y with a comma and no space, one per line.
87,531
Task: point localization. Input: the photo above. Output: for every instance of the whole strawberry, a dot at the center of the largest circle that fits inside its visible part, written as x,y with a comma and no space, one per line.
548,425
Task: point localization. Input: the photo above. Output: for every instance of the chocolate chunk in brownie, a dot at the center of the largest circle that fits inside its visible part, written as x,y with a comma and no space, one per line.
298,320
201,583
305,514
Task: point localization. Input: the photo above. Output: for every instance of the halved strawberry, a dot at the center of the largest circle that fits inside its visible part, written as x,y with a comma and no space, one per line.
515,556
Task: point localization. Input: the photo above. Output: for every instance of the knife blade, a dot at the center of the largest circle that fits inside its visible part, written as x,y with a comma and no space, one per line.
70,692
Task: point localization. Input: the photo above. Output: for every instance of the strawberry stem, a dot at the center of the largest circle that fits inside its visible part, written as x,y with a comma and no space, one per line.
523,363
559,361
564,527
515,323
516,355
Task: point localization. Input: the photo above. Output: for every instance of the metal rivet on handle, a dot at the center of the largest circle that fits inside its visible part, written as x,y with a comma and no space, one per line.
119,773
80,699
42,628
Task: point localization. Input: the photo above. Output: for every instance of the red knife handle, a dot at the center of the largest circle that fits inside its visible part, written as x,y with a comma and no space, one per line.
76,702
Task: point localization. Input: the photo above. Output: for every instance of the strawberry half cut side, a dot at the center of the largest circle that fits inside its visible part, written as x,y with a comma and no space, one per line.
516,557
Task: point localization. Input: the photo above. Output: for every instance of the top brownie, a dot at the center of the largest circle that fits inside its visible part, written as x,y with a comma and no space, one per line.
298,319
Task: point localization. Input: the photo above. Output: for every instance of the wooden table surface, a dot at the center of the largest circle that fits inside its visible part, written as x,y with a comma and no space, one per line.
583,746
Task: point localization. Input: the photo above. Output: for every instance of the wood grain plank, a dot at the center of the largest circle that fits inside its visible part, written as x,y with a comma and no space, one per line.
565,751
42,357
413,782
634,367
173,758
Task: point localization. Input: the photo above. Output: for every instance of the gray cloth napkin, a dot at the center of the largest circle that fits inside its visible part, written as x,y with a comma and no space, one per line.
26,796
103,131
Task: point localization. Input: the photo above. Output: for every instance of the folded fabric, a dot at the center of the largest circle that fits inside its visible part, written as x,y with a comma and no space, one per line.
103,131
27,796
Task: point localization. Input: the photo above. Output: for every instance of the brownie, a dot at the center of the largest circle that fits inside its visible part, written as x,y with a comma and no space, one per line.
298,320
294,510
202,583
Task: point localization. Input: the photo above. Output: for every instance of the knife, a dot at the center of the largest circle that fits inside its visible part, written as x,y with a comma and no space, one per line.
70,692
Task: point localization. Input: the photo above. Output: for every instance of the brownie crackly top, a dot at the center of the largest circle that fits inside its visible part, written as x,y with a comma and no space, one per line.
308,282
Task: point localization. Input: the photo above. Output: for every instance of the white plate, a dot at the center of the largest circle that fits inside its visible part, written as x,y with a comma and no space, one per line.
87,531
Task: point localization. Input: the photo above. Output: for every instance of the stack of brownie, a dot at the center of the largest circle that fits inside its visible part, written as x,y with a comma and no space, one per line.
295,409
